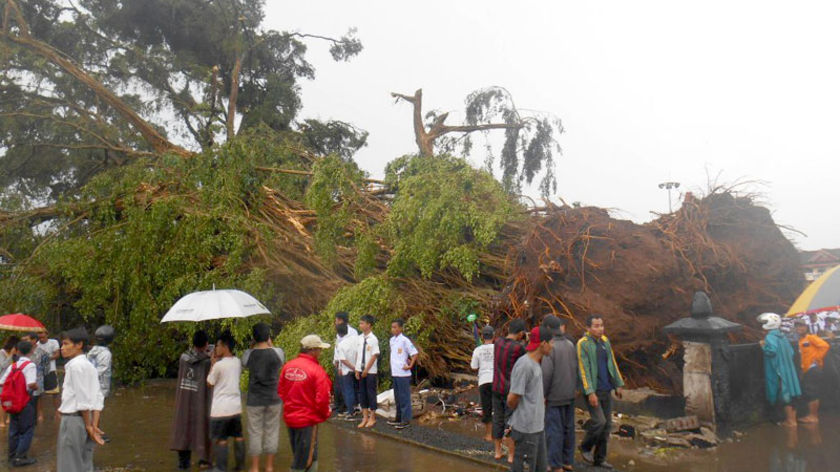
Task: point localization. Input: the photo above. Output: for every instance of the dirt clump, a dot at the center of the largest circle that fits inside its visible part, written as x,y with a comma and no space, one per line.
579,261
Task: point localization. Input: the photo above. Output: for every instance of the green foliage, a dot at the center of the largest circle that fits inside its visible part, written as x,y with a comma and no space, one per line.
156,234
444,214
172,61
530,143
333,192
375,295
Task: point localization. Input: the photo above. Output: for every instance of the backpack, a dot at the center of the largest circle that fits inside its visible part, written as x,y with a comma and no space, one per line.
15,395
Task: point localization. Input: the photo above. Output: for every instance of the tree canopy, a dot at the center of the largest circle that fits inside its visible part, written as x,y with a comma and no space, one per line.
92,84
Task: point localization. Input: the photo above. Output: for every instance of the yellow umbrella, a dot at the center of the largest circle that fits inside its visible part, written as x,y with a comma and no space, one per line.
822,295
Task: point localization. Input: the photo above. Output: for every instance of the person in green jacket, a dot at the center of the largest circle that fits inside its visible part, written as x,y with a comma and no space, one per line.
599,376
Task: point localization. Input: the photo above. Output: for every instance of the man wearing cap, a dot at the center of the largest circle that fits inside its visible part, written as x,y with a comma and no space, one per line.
305,390
599,376
482,361
526,399
560,373
506,351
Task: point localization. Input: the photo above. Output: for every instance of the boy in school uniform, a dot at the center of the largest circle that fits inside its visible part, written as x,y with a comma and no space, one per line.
346,355
482,361
22,424
403,355
366,357
343,330
81,401
226,407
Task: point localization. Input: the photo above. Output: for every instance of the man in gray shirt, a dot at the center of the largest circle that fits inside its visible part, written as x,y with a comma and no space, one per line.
527,401
560,373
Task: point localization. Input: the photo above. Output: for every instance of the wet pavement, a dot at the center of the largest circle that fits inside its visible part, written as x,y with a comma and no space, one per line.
139,419
761,448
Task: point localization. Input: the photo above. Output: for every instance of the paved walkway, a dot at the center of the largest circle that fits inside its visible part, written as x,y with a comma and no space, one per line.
445,442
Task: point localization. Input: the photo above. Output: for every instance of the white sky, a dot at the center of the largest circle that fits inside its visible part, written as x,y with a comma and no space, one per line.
648,91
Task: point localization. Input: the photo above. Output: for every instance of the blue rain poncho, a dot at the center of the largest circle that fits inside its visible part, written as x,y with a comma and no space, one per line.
779,371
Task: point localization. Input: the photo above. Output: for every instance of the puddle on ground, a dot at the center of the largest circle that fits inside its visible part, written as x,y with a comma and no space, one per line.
762,448
138,420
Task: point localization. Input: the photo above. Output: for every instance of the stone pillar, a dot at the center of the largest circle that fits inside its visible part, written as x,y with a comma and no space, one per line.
697,381
706,369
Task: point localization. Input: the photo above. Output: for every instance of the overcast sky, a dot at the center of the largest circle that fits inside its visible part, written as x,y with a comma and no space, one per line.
648,91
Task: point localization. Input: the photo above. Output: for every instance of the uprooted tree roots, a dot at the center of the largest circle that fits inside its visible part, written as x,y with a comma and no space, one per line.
579,261
571,262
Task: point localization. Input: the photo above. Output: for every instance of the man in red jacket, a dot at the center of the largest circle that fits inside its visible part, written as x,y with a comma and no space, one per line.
305,390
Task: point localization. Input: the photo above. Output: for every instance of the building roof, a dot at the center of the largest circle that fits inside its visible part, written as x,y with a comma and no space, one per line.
820,257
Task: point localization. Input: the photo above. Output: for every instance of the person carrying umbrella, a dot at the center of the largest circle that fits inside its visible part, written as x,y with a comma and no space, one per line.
305,390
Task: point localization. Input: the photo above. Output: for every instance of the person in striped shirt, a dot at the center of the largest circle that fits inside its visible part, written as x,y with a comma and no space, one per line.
506,352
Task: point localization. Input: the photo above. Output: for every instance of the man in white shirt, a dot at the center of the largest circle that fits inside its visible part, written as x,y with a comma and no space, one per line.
367,354
22,424
482,361
81,402
403,356
345,354
226,407
343,330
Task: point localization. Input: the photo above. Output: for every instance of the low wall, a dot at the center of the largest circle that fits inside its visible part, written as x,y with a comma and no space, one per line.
748,401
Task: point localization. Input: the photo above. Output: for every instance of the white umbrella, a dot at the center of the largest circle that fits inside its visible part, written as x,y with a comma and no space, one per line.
213,305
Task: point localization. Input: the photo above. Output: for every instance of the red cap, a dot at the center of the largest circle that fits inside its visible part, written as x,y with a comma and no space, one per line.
534,340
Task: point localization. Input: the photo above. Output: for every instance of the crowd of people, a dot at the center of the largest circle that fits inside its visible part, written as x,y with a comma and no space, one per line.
528,383
208,397
789,382
29,375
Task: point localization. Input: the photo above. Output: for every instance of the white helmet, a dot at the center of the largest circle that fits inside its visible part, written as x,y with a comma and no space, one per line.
770,321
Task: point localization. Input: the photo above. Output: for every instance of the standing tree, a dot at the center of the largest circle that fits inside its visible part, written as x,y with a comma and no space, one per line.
530,138
91,84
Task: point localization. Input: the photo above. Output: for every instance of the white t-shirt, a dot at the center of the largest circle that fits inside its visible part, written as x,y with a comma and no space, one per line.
370,345
346,350
50,347
482,360
30,372
401,350
224,377
351,332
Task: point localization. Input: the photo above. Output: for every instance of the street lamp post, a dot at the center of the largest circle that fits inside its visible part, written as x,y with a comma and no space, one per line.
669,186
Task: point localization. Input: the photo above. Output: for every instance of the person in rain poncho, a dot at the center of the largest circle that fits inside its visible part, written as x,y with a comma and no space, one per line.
191,430
100,357
781,381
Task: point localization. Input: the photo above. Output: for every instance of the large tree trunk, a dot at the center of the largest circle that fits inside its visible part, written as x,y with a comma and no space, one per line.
426,139
234,94
149,133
